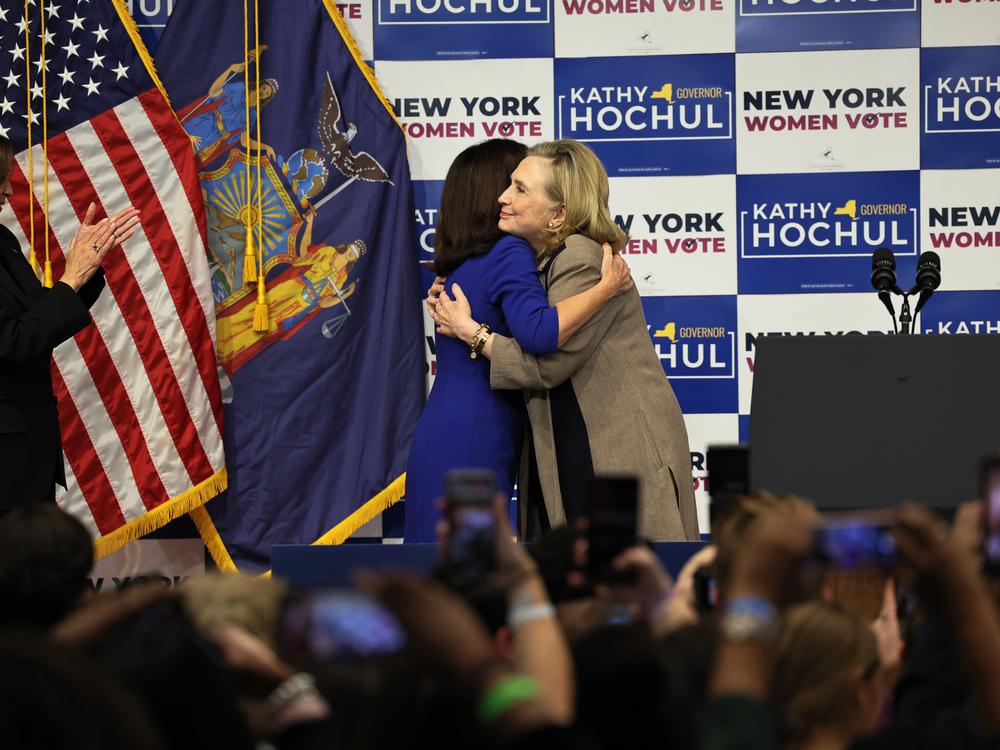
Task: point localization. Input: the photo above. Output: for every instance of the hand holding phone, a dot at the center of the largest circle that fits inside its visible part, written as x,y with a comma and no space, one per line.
471,550
612,527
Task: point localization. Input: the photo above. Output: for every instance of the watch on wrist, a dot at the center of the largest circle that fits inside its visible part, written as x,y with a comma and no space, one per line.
749,619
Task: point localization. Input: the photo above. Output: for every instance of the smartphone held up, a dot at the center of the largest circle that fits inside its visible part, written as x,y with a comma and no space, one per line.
468,510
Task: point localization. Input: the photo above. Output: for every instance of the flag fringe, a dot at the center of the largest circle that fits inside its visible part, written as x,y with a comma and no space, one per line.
140,46
367,512
186,502
337,535
213,541
355,50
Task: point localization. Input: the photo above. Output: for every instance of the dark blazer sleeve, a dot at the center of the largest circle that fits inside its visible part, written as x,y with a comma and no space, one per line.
56,315
90,291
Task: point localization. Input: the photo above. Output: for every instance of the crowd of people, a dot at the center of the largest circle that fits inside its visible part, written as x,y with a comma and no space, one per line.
528,653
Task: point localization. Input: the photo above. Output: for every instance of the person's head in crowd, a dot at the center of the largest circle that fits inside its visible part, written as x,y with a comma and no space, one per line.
559,189
252,602
45,557
731,531
826,688
630,691
162,660
692,647
52,697
468,214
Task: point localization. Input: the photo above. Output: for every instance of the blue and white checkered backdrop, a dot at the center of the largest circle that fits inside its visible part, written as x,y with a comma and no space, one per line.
759,151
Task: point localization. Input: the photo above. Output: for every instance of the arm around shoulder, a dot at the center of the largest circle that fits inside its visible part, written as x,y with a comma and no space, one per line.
575,269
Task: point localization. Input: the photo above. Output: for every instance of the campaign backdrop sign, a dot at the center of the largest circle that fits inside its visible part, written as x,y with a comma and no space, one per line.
959,23
804,233
150,17
359,17
427,201
682,232
827,111
803,315
600,28
789,25
443,112
961,223
695,339
650,115
961,99
461,29
961,313
704,430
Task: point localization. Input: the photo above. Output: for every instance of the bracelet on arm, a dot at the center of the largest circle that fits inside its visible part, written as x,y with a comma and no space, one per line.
504,694
479,340
749,618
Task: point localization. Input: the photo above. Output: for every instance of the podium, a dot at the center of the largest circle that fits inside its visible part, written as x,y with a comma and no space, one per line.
858,422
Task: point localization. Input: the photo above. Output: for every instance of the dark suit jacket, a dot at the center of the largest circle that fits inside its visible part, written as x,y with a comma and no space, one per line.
33,321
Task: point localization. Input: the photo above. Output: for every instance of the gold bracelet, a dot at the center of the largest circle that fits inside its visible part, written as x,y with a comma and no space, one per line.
479,340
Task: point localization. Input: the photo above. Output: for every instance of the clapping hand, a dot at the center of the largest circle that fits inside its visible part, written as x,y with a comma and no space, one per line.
93,241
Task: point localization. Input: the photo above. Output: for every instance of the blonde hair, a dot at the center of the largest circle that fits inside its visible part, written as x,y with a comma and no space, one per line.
251,602
580,184
821,650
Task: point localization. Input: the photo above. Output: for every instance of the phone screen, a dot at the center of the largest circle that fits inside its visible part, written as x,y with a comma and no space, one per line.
612,526
338,624
848,542
989,488
472,527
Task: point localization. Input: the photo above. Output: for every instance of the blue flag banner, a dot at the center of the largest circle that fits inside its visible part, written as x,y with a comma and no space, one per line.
324,390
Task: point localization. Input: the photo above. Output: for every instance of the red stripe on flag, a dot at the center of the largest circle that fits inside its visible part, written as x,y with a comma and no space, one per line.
163,245
123,286
178,145
89,472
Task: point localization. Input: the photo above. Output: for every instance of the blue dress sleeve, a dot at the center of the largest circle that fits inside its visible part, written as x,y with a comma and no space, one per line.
515,288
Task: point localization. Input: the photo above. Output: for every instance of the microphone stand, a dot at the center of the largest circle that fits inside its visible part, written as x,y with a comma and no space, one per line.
904,316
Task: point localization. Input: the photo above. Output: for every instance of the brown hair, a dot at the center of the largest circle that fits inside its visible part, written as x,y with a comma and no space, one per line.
467,223
579,183
821,650
6,157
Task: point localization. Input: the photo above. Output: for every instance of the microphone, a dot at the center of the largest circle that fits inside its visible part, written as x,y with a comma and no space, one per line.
884,278
883,270
928,277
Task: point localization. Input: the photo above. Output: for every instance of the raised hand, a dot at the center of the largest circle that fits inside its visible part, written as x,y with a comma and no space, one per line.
93,241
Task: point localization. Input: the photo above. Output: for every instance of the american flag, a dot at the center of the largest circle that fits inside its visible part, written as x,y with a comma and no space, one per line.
139,398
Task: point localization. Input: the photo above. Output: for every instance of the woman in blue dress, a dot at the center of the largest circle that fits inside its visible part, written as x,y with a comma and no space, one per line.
465,424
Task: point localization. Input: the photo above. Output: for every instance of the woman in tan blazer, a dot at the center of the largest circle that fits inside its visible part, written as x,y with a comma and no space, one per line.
601,404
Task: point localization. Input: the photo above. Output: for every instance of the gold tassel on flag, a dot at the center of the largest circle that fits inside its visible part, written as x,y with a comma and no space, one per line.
261,316
250,255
